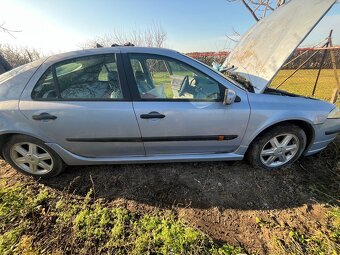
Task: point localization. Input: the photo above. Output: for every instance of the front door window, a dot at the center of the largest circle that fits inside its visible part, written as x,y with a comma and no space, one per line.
159,77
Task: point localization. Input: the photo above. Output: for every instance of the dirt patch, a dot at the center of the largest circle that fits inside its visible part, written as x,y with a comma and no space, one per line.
230,201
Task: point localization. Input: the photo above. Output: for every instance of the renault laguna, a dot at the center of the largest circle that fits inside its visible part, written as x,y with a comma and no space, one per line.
134,105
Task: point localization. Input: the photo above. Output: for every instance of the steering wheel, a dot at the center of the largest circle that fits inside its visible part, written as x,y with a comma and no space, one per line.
184,86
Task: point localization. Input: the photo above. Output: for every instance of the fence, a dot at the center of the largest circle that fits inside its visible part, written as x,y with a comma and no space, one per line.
308,72
209,57
311,72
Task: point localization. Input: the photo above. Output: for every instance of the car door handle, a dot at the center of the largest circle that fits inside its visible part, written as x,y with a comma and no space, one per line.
152,115
44,116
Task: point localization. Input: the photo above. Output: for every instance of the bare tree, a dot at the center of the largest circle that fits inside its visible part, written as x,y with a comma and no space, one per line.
260,8
17,56
153,36
4,29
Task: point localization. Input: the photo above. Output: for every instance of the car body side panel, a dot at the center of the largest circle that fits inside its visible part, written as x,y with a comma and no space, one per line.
13,82
324,134
193,119
73,159
267,110
91,129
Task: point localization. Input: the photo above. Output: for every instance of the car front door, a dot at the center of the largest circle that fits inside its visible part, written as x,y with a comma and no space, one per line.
83,105
179,109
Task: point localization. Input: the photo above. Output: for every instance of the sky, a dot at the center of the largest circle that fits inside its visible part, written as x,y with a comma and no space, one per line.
55,26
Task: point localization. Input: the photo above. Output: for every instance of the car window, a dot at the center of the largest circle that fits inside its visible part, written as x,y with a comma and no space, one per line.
92,77
158,77
45,88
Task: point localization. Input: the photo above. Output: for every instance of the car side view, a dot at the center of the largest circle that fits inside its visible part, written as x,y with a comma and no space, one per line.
133,105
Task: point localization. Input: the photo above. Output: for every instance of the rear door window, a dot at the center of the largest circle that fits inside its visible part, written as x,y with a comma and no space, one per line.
91,77
94,77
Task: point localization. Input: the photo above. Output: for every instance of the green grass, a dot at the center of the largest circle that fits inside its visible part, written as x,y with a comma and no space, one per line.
36,221
303,81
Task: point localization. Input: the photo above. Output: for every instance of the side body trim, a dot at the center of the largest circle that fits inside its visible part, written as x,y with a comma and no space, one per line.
155,139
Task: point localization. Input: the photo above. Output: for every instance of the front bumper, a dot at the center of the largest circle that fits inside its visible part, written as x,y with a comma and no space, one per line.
324,134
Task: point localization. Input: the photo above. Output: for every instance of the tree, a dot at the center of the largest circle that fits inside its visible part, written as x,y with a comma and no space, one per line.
153,36
4,29
260,8
17,56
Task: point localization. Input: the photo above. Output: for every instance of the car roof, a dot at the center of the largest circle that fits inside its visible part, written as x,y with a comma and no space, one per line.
118,49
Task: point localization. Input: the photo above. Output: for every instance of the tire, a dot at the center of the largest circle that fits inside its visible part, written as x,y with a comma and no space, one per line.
32,157
265,148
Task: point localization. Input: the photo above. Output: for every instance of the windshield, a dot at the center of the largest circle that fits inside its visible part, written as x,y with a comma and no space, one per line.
231,79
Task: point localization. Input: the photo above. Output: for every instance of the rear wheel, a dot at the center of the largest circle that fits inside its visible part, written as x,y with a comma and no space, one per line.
279,147
32,157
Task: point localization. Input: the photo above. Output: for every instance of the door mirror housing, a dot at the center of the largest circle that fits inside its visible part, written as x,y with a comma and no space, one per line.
229,96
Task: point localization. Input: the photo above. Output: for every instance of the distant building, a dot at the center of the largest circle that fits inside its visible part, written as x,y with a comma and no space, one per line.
4,65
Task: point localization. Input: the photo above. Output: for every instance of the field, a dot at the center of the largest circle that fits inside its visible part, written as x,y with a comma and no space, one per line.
303,81
179,208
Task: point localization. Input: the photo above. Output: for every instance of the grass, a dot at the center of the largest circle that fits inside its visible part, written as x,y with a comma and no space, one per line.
37,221
294,242
303,81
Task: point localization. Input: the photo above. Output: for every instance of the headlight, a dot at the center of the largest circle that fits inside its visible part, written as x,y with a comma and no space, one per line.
335,114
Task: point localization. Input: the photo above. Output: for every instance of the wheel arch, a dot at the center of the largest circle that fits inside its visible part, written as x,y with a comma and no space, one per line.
4,137
304,125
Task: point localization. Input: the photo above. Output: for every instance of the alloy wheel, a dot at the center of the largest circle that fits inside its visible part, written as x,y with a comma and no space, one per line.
279,150
31,158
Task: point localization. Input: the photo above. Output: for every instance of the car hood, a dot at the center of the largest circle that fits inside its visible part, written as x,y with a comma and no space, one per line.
263,50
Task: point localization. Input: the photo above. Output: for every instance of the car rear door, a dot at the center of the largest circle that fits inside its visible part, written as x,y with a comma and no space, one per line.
83,105
194,122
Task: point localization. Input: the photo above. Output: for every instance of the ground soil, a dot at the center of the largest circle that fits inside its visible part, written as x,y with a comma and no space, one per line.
222,199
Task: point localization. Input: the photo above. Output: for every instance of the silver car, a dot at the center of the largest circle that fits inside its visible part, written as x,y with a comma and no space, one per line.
134,105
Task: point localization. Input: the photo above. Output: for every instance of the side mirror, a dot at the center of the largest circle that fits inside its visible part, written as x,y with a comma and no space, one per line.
229,96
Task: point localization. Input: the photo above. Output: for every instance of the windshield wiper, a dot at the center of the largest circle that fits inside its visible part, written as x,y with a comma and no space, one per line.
240,79
228,72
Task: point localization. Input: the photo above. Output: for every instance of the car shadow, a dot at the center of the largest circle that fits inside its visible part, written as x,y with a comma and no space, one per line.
234,185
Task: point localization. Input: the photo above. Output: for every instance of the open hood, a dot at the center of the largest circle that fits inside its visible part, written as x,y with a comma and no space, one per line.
263,50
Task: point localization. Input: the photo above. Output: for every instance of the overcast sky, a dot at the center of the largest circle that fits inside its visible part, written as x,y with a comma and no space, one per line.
191,25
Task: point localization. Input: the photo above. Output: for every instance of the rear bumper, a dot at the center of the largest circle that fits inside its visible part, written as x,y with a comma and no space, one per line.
324,134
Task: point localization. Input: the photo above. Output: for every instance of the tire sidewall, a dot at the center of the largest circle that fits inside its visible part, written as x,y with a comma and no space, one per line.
58,164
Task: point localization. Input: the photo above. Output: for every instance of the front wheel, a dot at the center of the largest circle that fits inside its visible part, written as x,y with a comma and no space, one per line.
277,148
32,157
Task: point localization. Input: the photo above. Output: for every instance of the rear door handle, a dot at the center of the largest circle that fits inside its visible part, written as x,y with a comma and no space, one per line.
152,115
44,116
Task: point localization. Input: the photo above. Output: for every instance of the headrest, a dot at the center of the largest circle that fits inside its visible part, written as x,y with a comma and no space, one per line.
112,76
139,75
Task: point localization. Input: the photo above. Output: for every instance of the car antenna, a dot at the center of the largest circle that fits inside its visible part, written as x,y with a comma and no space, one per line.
98,45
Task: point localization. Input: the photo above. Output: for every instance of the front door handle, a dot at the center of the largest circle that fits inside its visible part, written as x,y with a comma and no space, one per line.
44,116
152,115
